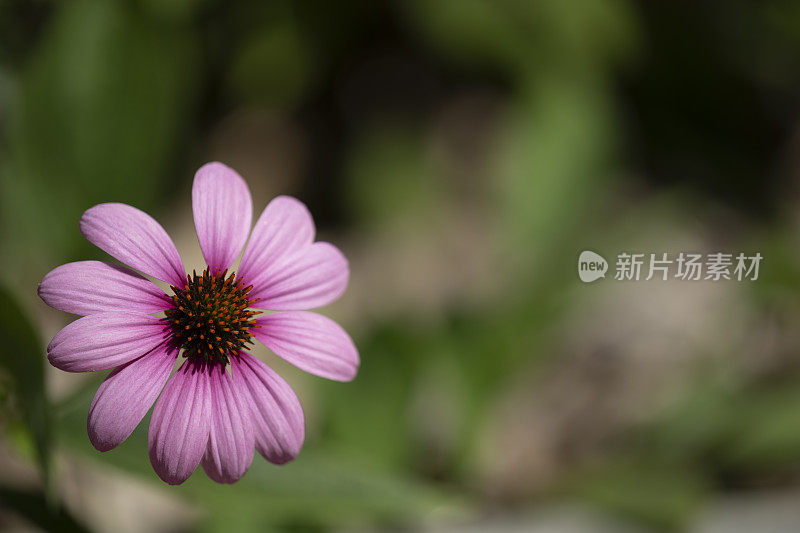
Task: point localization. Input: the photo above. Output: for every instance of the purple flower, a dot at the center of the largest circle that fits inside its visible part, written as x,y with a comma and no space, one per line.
204,414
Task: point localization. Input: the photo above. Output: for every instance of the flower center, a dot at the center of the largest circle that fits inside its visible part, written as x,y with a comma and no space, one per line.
211,319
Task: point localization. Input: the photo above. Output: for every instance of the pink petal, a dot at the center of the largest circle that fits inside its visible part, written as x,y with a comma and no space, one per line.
230,443
181,423
133,237
284,227
223,213
88,287
105,340
275,411
311,277
125,396
311,342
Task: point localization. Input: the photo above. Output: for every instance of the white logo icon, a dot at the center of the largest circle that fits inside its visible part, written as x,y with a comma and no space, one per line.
591,266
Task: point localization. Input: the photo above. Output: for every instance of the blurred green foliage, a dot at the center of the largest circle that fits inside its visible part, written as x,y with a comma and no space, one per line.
22,363
595,105
95,115
33,507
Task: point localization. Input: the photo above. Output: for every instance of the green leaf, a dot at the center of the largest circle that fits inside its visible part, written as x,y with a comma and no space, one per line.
22,358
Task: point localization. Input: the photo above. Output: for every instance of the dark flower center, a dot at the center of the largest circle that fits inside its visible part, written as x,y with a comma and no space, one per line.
211,319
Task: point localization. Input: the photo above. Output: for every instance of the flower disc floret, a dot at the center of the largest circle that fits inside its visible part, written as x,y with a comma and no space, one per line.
211,319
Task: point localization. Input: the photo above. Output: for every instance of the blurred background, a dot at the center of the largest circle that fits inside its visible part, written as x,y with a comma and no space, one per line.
462,154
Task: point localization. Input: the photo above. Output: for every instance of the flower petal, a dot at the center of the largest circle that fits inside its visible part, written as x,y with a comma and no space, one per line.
229,452
276,414
135,238
87,287
311,277
311,342
223,213
284,227
105,340
125,396
181,423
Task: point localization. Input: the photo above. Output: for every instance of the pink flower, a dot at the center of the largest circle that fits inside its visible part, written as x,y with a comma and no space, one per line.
204,414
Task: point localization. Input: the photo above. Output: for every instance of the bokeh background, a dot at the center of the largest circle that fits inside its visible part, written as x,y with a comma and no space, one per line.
462,153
